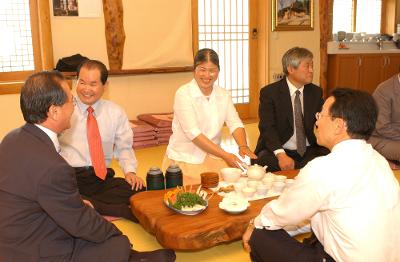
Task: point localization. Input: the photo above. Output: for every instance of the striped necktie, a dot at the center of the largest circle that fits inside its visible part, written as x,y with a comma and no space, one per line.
298,120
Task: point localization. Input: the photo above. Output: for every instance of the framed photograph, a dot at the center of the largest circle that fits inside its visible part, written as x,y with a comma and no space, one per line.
292,15
65,8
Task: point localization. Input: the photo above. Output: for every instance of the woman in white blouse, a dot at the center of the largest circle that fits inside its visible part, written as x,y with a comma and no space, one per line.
200,111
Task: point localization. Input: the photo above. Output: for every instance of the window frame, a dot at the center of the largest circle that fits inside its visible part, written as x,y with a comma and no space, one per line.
11,82
388,16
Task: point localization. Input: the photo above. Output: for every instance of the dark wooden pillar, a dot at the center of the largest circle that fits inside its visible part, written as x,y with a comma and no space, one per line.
115,34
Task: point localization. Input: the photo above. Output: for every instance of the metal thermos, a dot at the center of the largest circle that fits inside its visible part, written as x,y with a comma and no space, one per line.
155,179
173,176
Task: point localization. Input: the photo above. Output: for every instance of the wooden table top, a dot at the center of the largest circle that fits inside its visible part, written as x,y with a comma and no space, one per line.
180,232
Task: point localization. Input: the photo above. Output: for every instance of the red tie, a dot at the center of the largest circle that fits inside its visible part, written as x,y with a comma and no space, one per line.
95,146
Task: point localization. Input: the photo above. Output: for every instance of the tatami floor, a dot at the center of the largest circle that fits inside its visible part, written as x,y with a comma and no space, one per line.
144,241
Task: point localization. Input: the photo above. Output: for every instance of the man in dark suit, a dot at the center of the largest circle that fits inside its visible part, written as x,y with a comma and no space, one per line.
43,217
287,115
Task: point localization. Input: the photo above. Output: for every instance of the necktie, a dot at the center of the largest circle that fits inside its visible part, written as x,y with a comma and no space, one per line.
298,121
95,146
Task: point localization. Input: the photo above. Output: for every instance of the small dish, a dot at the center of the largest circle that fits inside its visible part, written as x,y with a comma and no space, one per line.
234,205
187,213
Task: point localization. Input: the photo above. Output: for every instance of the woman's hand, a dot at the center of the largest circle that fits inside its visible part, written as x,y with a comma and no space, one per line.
231,159
245,151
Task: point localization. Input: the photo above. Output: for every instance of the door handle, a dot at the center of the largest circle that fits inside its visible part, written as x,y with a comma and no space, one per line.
254,33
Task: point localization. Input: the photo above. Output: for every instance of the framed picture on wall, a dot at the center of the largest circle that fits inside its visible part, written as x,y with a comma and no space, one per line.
65,8
292,15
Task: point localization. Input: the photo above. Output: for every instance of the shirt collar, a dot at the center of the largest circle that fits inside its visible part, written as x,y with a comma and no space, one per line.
293,88
348,142
83,107
196,92
52,135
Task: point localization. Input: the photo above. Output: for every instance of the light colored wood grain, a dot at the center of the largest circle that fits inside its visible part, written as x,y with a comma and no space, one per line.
207,229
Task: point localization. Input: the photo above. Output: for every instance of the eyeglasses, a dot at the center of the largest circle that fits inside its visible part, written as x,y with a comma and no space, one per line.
204,70
319,115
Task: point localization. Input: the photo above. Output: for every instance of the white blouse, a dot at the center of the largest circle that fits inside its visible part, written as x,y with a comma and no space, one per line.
196,114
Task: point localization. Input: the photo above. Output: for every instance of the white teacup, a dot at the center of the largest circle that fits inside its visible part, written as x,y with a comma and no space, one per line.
248,192
243,180
252,183
280,178
278,186
238,187
267,180
262,189
289,182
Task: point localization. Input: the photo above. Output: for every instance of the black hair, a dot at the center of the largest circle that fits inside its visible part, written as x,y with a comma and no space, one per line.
357,108
94,64
205,55
39,92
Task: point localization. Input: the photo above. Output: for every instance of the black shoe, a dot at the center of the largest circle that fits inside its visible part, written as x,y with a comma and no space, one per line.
160,255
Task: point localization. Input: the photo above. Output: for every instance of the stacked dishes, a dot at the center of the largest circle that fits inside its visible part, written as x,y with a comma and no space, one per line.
209,179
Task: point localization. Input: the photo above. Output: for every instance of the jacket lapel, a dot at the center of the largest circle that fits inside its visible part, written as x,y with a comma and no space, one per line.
308,101
286,102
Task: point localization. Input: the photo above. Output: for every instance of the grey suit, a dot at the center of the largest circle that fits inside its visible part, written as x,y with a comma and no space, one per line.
276,124
42,216
386,137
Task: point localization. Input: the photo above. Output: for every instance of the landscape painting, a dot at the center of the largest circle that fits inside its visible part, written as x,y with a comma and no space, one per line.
290,15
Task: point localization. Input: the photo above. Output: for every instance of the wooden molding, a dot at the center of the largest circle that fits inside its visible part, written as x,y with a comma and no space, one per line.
159,70
195,27
7,88
46,42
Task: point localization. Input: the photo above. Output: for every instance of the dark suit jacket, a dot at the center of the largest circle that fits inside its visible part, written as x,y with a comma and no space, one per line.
276,124
42,214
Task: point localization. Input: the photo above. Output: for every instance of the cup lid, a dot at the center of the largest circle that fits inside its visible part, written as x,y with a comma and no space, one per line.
173,168
154,171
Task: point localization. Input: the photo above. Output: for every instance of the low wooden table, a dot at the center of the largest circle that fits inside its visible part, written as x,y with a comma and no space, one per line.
180,232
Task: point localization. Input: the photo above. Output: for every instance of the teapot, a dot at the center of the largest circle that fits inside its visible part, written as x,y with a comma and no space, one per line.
256,172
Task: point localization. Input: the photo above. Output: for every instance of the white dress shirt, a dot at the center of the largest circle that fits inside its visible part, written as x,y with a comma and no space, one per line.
196,114
291,144
350,196
52,135
115,131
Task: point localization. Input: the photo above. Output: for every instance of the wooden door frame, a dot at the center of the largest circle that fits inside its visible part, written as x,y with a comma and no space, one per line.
257,56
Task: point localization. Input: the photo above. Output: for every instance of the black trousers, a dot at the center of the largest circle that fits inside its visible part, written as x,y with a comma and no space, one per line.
266,157
279,246
110,196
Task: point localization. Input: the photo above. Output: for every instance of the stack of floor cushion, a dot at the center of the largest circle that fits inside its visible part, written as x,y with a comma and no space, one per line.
144,135
162,123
